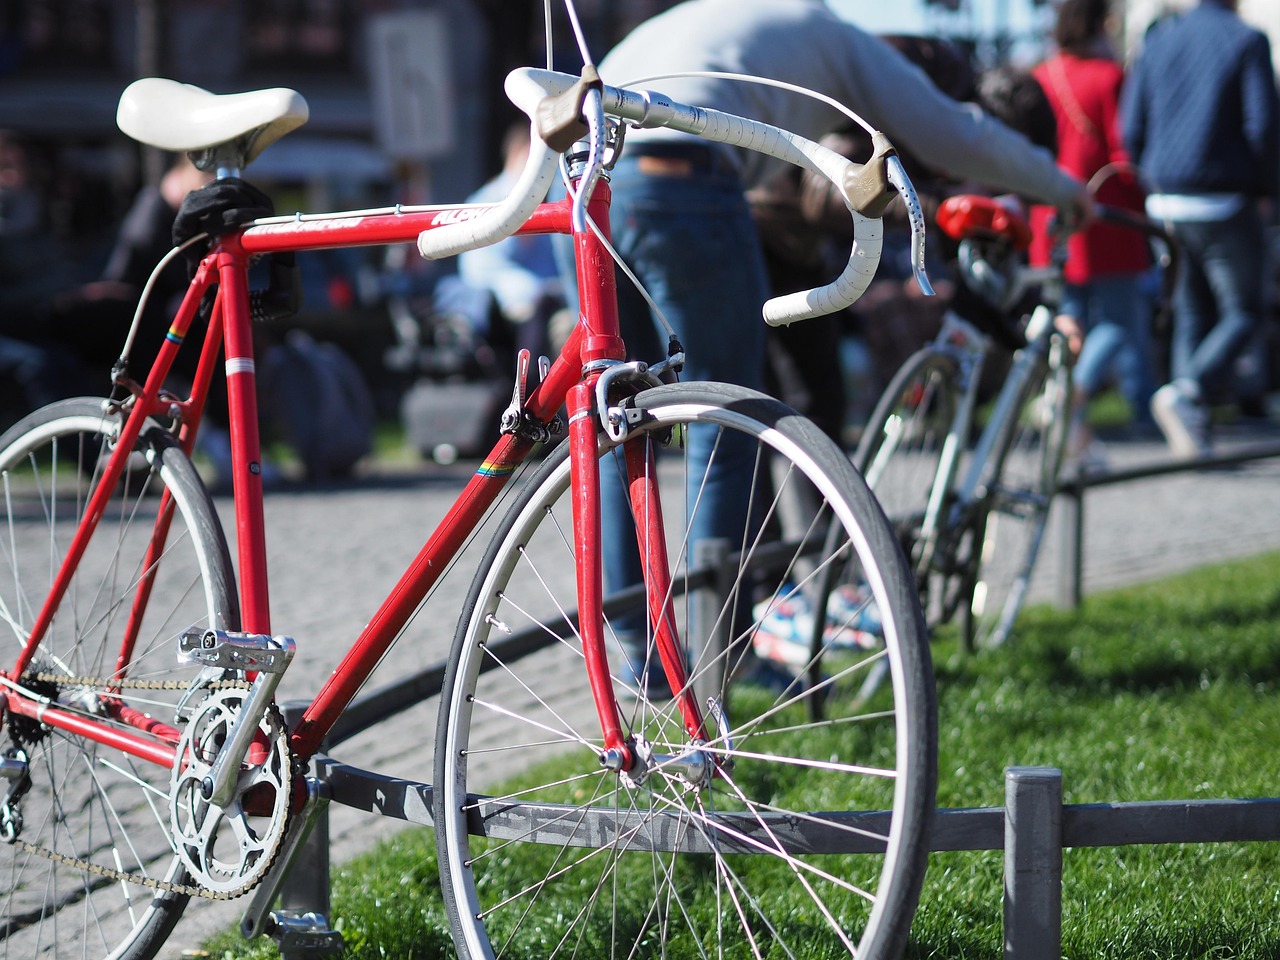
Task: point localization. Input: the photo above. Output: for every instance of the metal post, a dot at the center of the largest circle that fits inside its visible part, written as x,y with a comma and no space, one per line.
712,623
1033,863
306,887
1069,506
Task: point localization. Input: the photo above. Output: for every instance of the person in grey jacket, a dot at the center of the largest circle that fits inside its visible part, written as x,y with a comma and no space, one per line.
681,221
1201,119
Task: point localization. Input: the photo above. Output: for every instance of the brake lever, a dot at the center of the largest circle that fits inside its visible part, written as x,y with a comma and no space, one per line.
915,214
593,111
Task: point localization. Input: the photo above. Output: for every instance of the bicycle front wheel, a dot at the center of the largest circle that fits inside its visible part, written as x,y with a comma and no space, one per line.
904,456
87,853
796,826
1019,492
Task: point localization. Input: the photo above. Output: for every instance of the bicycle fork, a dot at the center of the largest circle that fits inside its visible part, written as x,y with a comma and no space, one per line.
622,754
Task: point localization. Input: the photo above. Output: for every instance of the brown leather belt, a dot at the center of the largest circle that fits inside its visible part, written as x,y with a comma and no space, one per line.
664,166
678,160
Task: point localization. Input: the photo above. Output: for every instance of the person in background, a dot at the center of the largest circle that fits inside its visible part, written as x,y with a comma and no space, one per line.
1201,118
93,318
681,221
518,285
1104,293
804,226
32,271
519,272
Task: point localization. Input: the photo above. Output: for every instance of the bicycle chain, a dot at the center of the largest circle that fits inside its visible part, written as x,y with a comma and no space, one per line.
62,679
111,873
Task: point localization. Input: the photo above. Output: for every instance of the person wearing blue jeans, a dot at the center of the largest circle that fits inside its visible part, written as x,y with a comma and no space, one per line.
1104,268
1201,118
680,218
1118,345
1219,295
681,221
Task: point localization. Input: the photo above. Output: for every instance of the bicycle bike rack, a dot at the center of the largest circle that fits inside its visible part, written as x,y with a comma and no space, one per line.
1033,828
1069,503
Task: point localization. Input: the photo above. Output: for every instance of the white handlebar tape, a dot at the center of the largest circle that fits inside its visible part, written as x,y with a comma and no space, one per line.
868,239
528,86
494,222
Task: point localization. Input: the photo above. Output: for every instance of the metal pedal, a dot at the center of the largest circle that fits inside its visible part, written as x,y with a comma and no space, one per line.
304,936
225,650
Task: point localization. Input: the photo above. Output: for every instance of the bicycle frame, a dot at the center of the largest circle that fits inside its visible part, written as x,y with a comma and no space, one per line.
594,344
955,493
1040,332
968,346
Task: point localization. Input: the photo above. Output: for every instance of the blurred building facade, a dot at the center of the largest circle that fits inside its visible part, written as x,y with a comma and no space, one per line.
63,64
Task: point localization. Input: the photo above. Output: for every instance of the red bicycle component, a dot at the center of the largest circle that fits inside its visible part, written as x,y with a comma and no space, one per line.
608,558
973,215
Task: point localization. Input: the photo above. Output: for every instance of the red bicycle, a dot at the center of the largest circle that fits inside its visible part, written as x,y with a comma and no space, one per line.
145,762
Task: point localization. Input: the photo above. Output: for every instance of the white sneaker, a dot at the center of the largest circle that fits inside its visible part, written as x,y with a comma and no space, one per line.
784,630
1184,422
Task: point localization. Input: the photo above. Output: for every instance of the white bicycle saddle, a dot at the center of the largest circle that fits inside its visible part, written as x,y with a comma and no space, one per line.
183,118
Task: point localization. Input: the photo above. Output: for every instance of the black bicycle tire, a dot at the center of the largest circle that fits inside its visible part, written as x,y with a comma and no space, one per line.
914,802
76,416
922,562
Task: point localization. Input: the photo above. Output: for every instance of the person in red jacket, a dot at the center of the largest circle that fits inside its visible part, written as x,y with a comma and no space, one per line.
1105,263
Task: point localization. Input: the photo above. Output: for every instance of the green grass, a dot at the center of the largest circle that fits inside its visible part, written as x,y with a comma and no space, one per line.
1167,691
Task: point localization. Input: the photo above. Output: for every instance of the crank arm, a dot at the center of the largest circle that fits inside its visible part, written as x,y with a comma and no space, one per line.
268,655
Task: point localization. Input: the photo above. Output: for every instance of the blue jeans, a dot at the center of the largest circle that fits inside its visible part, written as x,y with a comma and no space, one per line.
1219,296
693,245
1116,316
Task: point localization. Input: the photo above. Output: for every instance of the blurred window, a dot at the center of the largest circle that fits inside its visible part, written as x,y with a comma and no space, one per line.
48,36
301,34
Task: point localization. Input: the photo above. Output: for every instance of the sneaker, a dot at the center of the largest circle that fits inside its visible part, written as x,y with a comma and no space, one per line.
784,631
853,610
1183,421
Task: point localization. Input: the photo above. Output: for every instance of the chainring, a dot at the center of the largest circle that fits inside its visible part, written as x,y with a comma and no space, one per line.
228,850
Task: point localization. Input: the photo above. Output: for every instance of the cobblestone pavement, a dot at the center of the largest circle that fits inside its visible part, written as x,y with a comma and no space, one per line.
335,551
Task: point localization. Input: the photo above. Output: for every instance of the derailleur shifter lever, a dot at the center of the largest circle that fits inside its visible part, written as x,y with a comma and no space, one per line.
516,419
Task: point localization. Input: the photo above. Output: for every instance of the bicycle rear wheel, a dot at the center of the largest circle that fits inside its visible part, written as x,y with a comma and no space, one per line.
1019,492
545,852
90,829
901,455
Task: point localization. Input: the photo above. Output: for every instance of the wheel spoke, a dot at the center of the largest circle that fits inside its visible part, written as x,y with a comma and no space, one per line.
88,801
701,847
